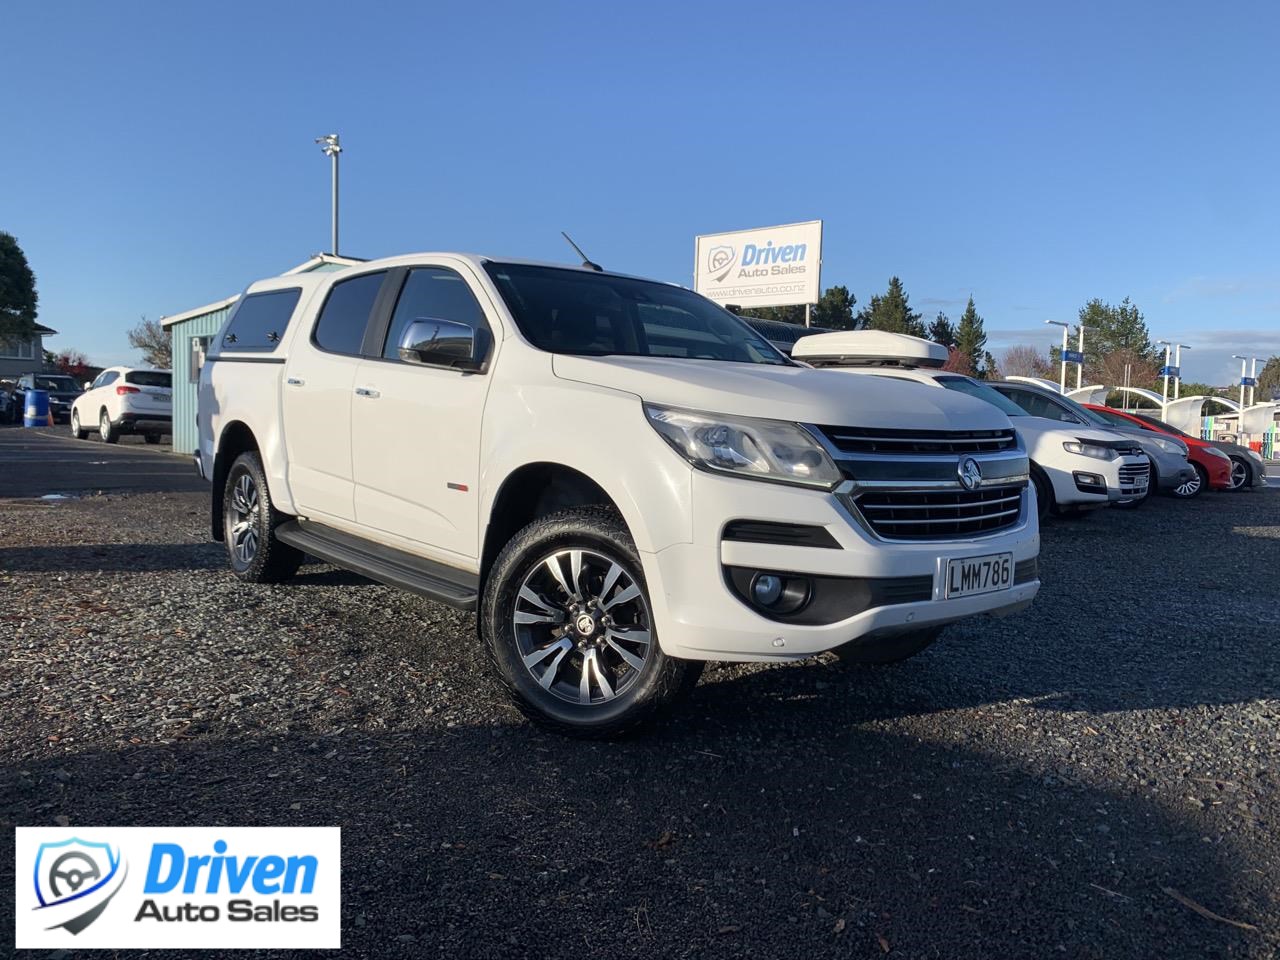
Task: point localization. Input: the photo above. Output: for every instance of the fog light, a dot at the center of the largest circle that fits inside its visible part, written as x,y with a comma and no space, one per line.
766,589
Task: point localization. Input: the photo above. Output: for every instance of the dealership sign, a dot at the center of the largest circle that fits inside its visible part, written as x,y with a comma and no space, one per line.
767,267
178,887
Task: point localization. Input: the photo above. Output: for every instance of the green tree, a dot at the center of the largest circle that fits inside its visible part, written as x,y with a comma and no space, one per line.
1116,329
833,310
1269,381
942,330
971,339
18,298
892,312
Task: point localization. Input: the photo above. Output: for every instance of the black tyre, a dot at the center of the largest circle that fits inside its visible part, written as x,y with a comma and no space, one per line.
76,430
106,432
1044,493
893,649
1193,487
152,438
248,526
1241,473
565,619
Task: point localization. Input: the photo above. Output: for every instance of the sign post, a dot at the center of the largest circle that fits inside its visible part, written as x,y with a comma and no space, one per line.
1062,372
766,267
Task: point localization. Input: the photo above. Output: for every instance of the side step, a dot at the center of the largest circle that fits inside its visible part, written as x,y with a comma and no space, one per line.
429,579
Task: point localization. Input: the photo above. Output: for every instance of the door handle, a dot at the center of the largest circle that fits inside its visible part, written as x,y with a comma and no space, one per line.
367,392
295,382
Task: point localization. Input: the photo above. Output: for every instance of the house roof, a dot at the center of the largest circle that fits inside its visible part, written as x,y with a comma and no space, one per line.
307,266
44,331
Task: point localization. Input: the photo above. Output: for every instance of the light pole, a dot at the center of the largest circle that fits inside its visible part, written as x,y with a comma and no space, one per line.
1081,328
1164,401
1243,374
1062,375
331,148
1177,365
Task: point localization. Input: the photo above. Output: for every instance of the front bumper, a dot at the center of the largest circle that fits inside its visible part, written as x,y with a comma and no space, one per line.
699,617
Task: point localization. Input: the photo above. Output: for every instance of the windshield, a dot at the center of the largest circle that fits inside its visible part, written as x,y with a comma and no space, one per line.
56,383
980,390
1167,428
597,315
1085,414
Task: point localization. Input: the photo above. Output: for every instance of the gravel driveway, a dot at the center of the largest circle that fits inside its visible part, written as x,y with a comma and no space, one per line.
1089,778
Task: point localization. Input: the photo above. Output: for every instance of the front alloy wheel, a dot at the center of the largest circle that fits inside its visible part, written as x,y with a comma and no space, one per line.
76,432
582,626
1191,487
1239,473
567,624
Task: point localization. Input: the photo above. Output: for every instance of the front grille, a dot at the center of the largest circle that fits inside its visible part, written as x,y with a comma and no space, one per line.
941,515
867,440
1133,477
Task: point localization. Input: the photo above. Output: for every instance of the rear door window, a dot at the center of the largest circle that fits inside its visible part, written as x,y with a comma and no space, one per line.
260,320
345,316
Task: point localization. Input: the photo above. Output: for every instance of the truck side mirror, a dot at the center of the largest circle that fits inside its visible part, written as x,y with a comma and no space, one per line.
87,384
445,343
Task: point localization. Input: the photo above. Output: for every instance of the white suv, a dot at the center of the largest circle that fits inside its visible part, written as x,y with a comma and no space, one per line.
620,477
1073,469
124,400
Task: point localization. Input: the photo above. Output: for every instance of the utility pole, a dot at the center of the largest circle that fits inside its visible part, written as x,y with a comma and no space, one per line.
331,148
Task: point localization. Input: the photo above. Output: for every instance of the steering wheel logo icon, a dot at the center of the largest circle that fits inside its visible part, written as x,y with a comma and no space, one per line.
73,877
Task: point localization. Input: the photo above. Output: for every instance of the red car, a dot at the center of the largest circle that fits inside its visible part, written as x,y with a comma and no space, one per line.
1213,467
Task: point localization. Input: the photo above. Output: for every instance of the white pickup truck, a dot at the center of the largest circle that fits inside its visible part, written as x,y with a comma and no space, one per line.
621,478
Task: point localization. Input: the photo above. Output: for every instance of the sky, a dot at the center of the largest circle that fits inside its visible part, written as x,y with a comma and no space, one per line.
159,156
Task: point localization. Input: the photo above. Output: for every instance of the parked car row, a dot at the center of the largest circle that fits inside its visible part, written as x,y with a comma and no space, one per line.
121,400
1133,455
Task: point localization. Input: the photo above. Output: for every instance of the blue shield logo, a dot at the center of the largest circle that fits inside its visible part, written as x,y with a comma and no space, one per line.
75,880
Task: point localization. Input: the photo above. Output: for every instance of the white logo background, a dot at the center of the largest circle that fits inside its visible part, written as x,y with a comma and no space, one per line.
115,926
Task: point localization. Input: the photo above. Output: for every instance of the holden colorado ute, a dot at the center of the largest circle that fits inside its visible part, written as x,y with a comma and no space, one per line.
622,479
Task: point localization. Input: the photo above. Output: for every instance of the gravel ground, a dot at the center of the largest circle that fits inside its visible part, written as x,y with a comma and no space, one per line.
1064,782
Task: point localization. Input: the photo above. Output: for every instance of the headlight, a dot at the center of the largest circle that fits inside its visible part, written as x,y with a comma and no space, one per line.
1215,452
746,447
1169,446
1255,454
1086,449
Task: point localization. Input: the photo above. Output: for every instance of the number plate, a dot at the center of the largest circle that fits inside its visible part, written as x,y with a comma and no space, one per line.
974,575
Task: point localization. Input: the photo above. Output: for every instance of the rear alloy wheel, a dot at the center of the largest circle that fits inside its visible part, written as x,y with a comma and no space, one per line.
567,624
248,526
1194,486
152,438
1240,473
76,431
105,432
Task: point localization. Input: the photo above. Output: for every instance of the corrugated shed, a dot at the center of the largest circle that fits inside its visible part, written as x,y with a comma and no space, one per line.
183,333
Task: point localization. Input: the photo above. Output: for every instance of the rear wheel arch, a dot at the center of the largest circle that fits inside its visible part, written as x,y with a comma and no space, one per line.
236,439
